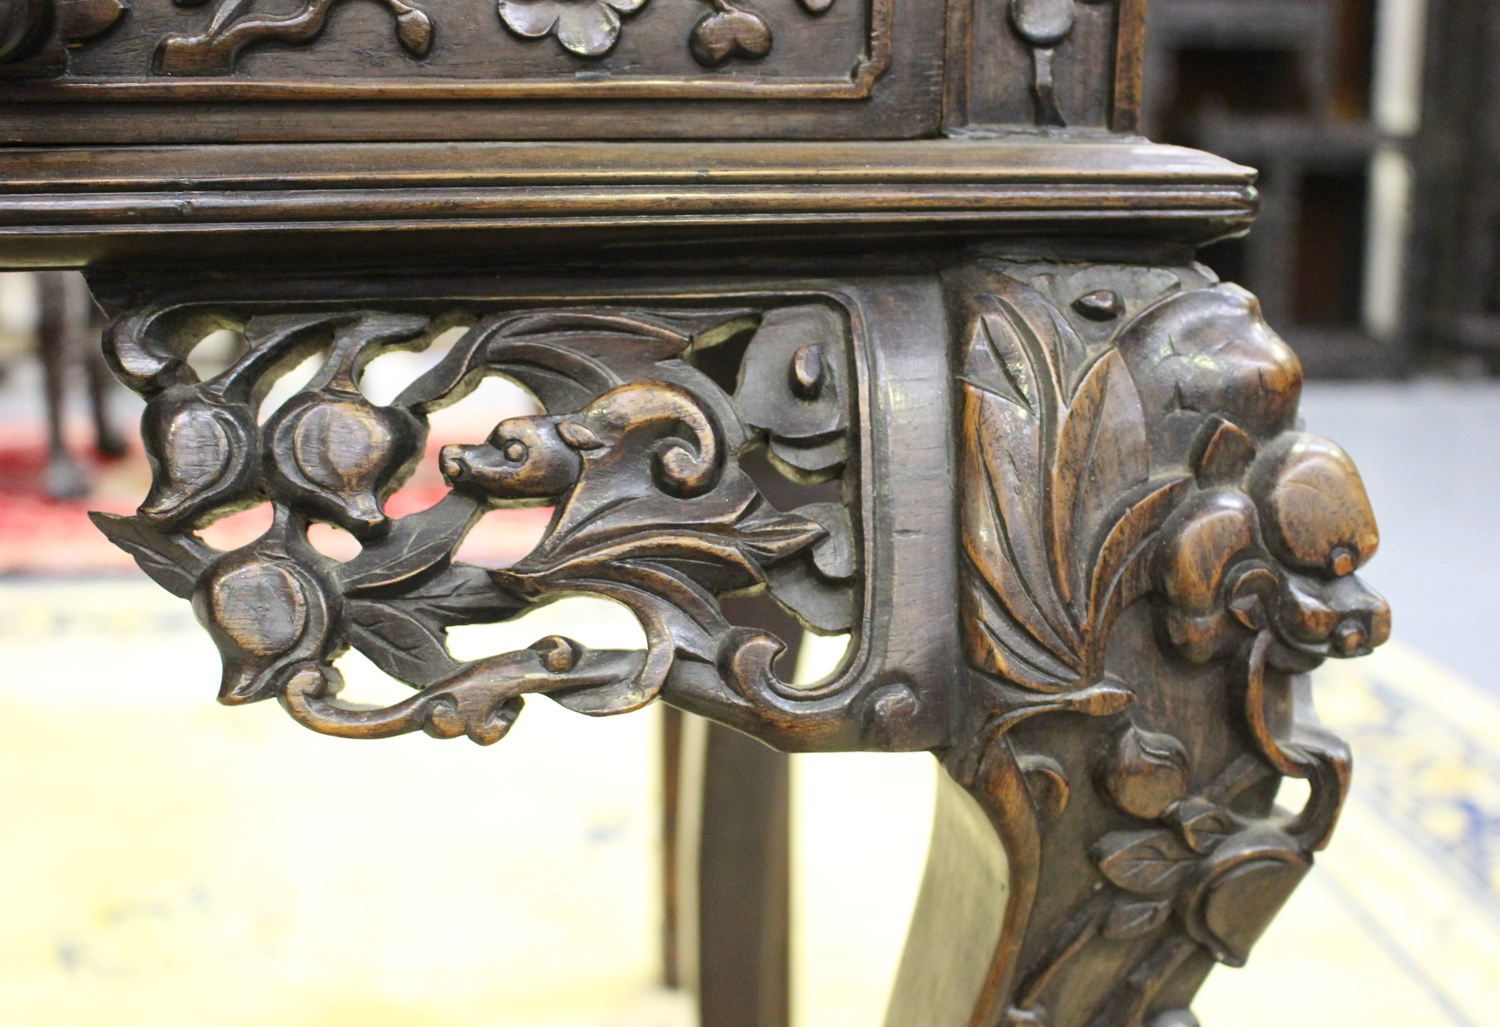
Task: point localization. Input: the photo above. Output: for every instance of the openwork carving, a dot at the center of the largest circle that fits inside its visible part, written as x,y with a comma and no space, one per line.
235,26
1129,457
1109,655
639,454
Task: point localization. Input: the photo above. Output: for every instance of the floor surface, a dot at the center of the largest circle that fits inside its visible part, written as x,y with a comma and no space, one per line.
170,862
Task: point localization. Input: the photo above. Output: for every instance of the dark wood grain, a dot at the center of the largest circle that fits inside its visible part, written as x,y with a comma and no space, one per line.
966,401
283,206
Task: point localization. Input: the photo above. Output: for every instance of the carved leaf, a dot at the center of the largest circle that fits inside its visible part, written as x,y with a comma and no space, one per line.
1143,862
564,357
1016,621
1046,781
1101,456
1120,575
416,544
169,560
462,594
1146,773
400,642
413,28
1135,918
1057,504
1202,824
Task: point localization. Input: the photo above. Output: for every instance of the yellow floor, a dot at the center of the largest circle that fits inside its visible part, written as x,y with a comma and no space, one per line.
167,861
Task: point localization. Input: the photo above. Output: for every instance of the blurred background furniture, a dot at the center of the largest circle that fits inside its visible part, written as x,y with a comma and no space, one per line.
1455,278
1285,86
55,318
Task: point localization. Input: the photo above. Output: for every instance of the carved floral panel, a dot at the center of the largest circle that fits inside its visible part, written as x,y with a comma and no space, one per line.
288,49
666,434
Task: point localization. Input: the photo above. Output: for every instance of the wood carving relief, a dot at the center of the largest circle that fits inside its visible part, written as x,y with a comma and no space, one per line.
1151,550
638,454
1112,651
444,51
35,34
1044,25
235,26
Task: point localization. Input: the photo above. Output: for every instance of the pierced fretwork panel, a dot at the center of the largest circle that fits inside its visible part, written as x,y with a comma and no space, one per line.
638,451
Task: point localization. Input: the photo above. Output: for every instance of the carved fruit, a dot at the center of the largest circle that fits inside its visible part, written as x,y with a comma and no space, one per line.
1042,23
1146,772
730,32
339,457
1313,506
203,455
267,614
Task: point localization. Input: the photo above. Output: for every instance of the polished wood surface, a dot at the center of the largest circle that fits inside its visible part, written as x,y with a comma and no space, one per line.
280,205
966,399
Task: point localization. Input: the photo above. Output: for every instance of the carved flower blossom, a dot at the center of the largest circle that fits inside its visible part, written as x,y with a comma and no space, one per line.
589,28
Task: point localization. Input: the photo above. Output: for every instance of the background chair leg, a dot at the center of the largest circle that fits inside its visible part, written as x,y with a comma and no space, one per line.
735,896
64,478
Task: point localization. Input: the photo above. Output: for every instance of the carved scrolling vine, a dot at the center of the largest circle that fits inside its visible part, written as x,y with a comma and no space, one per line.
1151,558
638,452
1128,436
235,26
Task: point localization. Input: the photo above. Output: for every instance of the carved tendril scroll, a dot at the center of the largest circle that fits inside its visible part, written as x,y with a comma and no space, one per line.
1149,542
638,452
235,26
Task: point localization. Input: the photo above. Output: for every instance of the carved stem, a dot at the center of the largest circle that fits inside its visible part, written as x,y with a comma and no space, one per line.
1047,112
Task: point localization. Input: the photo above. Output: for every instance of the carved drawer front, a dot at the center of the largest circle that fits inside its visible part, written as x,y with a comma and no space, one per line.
669,422
531,53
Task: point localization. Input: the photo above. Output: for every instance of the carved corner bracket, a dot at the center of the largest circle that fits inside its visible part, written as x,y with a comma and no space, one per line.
1153,558
1089,478
638,451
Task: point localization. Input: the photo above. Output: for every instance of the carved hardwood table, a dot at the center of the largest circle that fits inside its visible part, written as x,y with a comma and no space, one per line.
876,308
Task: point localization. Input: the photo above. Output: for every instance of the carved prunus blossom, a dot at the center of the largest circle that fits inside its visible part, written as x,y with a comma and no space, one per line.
639,452
1129,445
588,28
